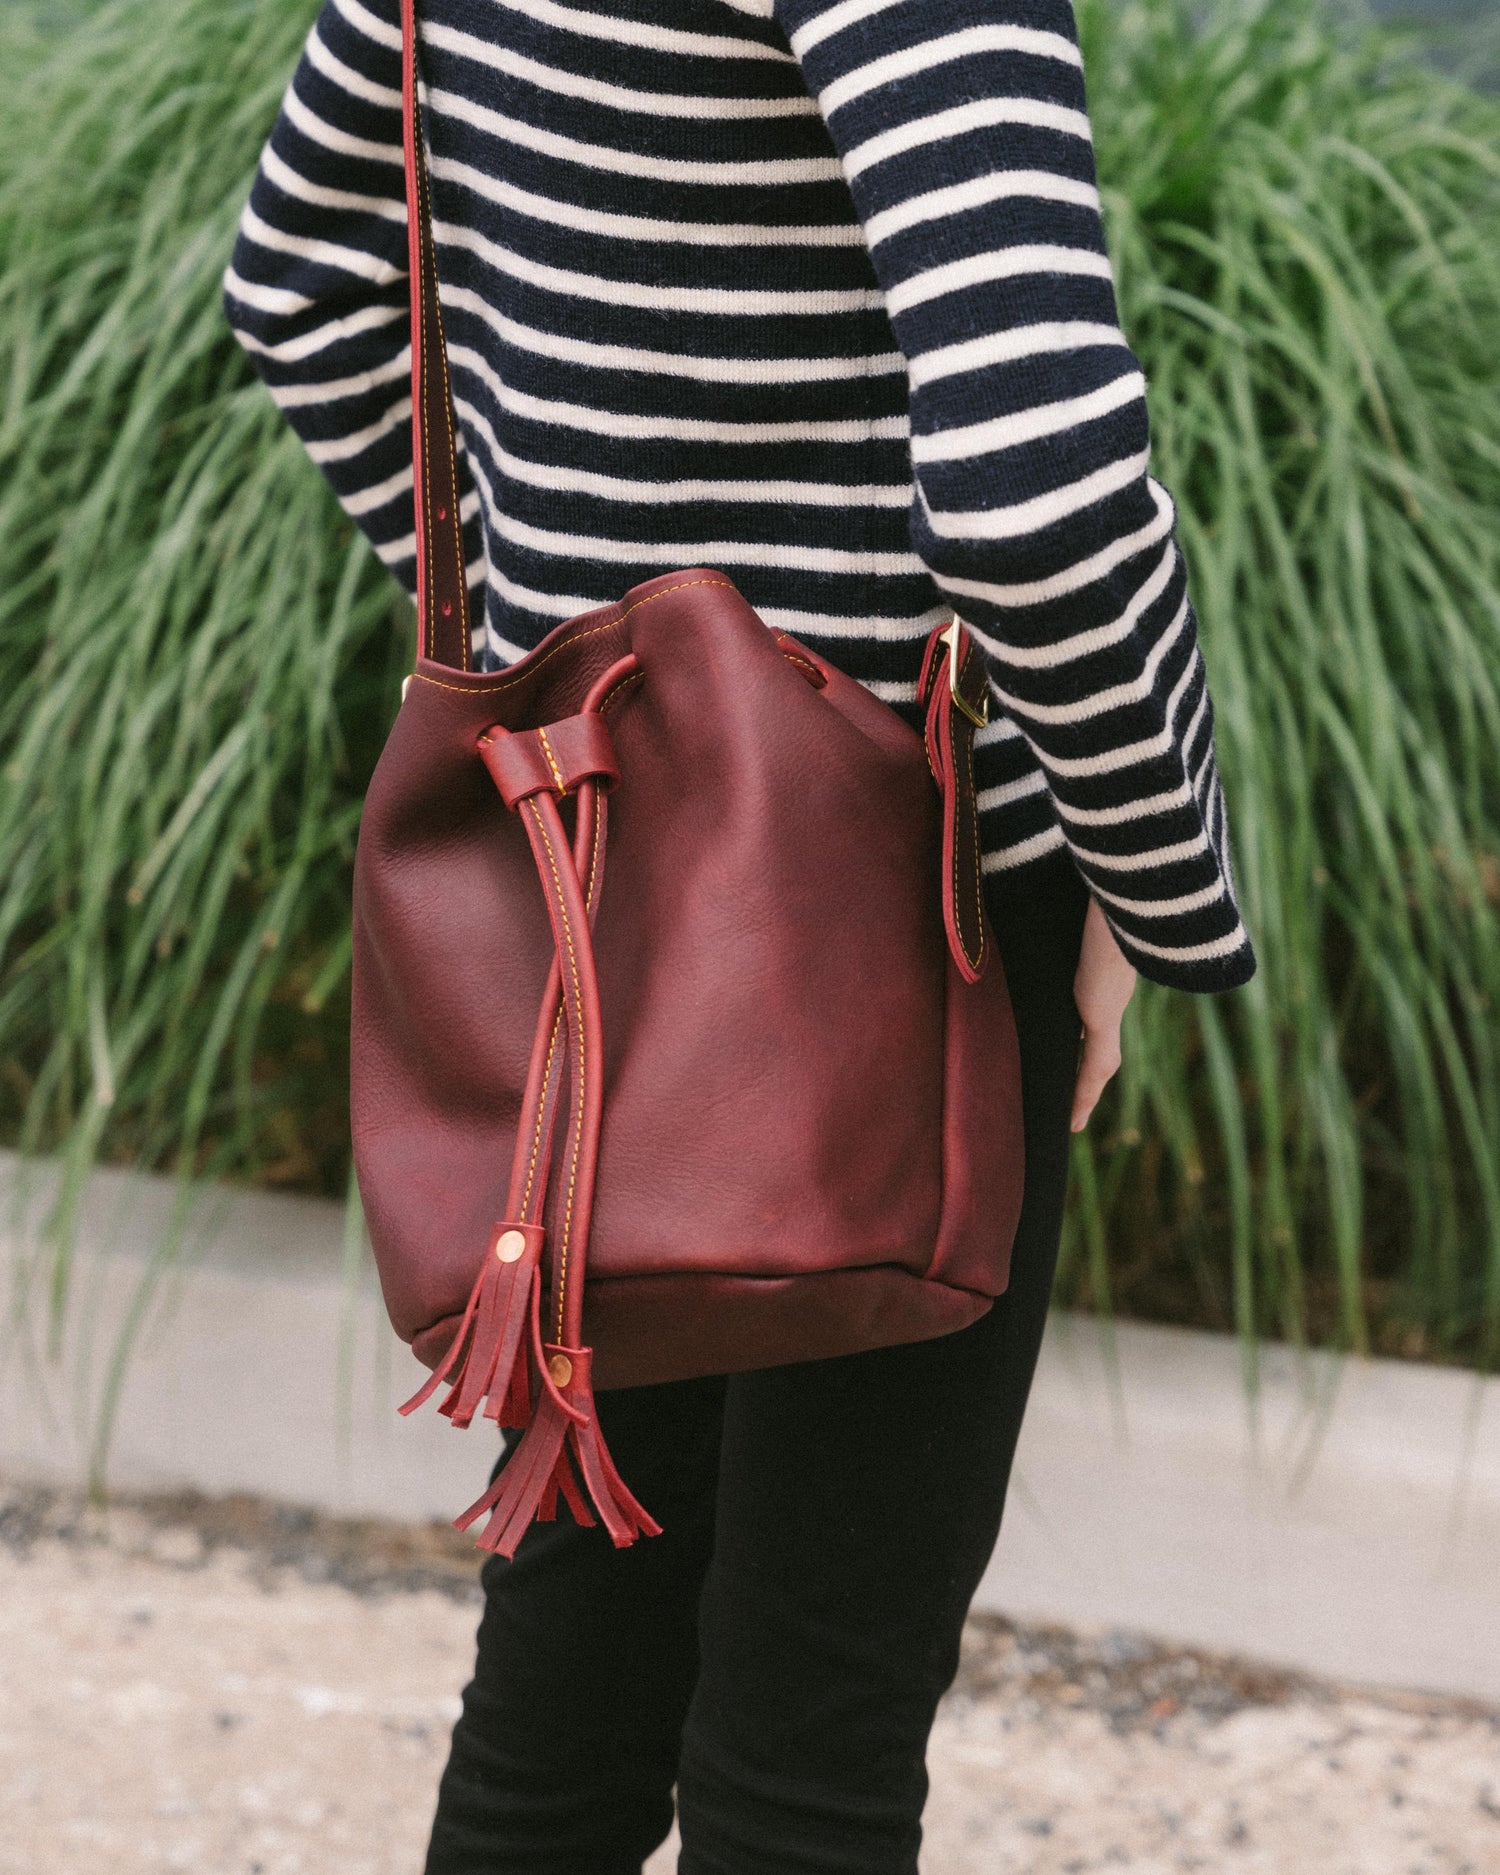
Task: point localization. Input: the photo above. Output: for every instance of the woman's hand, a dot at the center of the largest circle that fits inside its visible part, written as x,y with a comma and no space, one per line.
1103,986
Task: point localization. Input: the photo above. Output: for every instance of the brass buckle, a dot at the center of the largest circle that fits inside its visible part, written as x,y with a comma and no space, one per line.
977,717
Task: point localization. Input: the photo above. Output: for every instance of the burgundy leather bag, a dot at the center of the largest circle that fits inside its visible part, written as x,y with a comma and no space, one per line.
734,1086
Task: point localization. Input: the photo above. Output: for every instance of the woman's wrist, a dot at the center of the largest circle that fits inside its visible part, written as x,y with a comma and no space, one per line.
1102,988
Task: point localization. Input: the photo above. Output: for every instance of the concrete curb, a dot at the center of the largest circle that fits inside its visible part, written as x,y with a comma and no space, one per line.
1346,1521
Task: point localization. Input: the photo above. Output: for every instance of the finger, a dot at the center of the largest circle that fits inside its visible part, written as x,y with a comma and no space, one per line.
1099,1061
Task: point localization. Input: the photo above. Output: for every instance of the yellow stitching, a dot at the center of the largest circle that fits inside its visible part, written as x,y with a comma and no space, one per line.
681,586
924,701
510,682
788,649
978,864
588,905
974,820
429,260
805,664
551,763
959,792
567,1229
541,1111
465,624
557,1021
968,735
591,881
419,340
625,683
428,257
582,1074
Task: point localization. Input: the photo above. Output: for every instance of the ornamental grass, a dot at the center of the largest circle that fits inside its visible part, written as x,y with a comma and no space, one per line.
199,658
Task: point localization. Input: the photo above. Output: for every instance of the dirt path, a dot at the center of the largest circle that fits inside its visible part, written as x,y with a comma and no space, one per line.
232,1689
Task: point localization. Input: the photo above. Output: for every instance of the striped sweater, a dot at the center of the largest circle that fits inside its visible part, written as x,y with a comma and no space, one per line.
816,294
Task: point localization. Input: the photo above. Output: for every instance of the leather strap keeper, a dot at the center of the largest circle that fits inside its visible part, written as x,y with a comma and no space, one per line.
553,760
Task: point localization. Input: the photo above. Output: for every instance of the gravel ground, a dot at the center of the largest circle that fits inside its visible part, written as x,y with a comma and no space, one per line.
233,1688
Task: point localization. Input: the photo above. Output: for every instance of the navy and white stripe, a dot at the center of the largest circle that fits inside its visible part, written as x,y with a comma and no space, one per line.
816,294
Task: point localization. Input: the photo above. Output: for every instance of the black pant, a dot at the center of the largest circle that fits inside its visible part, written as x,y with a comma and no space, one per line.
779,1652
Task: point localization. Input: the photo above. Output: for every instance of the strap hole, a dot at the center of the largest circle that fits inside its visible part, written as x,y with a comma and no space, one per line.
447,608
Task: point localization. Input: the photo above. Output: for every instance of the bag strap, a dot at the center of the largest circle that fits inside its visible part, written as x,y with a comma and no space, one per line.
952,709
954,694
443,632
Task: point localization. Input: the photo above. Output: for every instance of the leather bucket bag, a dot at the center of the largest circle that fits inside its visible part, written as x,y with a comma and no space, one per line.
679,1041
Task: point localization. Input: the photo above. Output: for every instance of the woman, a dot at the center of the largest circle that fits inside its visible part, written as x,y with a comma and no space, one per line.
817,294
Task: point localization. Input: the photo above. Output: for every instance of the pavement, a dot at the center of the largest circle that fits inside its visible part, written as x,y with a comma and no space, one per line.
1340,1516
232,1687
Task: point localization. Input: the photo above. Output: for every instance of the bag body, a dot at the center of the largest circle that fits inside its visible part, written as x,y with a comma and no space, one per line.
810,1139
679,1043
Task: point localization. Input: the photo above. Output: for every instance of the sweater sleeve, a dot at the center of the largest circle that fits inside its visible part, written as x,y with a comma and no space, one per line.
316,290
963,134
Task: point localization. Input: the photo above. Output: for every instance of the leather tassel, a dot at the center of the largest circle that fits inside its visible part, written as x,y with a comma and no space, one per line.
529,1480
620,1511
515,1408
488,1359
563,1435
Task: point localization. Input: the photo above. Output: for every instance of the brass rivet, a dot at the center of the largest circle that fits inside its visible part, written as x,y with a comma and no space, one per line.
561,1369
510,1246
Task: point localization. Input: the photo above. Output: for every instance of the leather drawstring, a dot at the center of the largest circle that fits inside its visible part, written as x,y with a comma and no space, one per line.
499,1353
